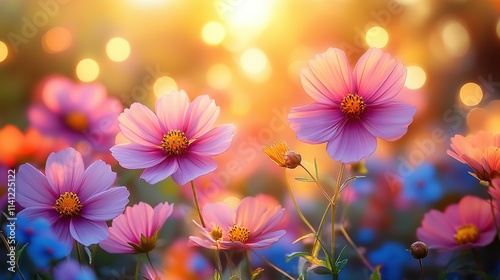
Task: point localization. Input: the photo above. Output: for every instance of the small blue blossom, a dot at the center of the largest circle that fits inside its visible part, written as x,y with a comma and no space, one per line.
422,185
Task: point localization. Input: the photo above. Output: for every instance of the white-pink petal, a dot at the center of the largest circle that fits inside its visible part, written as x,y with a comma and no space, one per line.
172,109
140,125
202,114
64,170
214,142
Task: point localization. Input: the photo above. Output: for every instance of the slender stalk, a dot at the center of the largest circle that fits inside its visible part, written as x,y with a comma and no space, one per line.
136,275
218,263
247,260
421,268
17,260
317,183
151,264
275,267
334,206
361,256
78,252
297,206
316,244
196,203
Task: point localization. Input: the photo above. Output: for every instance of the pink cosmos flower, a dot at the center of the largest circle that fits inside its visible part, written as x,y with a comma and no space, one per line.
178,140
352,108
253,224
76,201
79,113
461,226
136,230
481,151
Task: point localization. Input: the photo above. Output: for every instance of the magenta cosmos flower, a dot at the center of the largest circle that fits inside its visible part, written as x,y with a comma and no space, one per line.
76,201
136,230
78,113
461,226
352,108
481,151
178,140
253,224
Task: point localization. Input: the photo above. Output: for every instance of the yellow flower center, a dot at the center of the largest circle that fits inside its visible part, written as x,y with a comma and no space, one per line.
76,121
466,234
352,105
68,205
216,233
174,143
238,233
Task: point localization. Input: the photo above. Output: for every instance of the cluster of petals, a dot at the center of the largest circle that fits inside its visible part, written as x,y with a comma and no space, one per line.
77,201
352,108
252,224
461,226
177,140
481,151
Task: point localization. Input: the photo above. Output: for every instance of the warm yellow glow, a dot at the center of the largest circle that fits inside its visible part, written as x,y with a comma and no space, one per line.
219,76
377,37
232,201
240,104
498,28
87,70
4,51
455,38
213,33
57,39
254,61
415,77
164,84
471,94
118,49
248,15
147,3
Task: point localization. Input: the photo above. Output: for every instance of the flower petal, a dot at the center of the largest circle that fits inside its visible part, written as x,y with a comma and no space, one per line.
64,170
266,240
202,114
88,232
389,120
60,227
97,178
352,143
219,214
192,166
315,123
161,171
33,213
33,189
105,205
116,244
140,125
196,241
379,76
328,77
45,120
215,142
172,109
476,211
136,156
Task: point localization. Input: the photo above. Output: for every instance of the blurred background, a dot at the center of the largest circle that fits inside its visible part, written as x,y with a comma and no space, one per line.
247,55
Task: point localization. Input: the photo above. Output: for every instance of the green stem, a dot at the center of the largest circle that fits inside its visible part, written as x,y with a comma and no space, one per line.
151,264
196,203
421,268
275,267
78,252
316,244
361,256
317,183
6,243
218,263
334,206
136,275
297,206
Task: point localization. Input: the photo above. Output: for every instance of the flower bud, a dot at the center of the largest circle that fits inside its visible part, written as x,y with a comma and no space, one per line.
419,250
292,159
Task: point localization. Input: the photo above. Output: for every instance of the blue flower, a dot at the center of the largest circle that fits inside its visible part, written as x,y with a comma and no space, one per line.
46,248
27,229
393,257
71,270
422,185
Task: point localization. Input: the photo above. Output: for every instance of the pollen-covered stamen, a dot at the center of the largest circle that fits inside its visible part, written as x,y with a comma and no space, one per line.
216,233
466,234
238,233
77,121
174,143
68,204
352,105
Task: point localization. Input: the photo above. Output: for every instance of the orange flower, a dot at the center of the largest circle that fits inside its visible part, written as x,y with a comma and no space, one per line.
481,151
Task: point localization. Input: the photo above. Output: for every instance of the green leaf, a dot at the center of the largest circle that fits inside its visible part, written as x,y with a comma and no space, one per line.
217,275
302,179
306,256
349,180
89,254
309,235
340,265
234,277
376,274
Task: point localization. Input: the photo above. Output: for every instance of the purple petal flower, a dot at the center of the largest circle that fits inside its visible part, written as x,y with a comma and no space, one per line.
178,140
76,201
352,107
